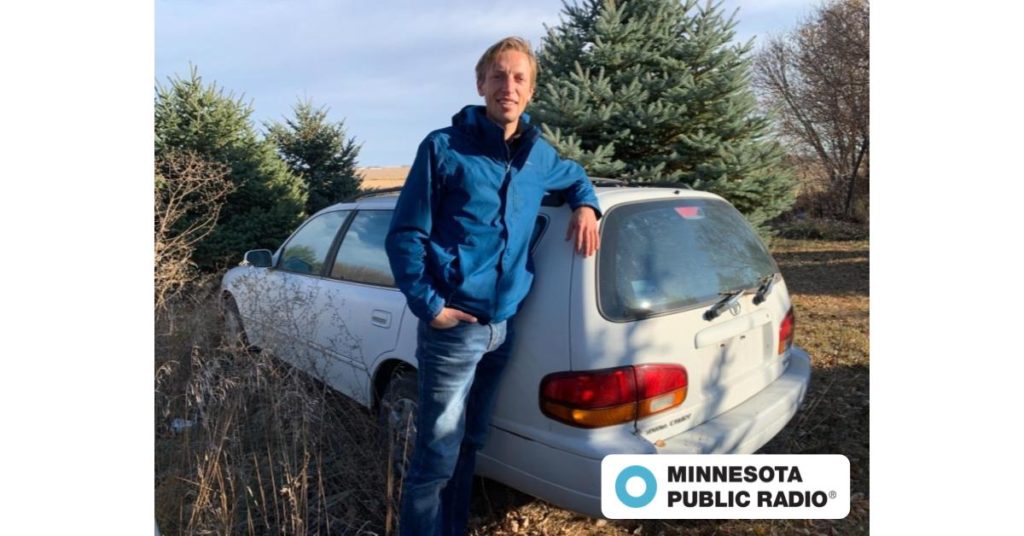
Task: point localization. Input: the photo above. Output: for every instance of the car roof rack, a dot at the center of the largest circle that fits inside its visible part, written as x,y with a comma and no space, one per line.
606,181
682,185
556,199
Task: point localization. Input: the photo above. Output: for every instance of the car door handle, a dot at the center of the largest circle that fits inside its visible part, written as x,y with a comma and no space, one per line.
381,318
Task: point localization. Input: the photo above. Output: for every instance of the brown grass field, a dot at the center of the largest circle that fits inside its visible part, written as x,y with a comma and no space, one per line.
274,453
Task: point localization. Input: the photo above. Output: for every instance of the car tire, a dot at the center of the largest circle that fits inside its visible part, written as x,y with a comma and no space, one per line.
232,329
396,417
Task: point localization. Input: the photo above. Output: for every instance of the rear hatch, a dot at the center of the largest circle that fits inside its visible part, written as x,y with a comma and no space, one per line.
662,266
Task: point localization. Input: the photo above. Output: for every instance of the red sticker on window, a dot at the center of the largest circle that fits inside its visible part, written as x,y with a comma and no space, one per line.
690,213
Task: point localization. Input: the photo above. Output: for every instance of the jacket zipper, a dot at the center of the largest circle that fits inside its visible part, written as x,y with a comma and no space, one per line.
508,160
508,177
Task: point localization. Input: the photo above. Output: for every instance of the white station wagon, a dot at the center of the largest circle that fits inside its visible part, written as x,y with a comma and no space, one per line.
675,338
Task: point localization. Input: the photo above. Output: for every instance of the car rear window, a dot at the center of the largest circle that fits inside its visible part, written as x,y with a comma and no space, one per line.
662,256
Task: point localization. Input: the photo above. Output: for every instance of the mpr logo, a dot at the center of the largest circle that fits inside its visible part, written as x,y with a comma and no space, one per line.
650,486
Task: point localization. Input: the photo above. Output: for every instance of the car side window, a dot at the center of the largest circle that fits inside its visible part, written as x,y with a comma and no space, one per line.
306,251
361,257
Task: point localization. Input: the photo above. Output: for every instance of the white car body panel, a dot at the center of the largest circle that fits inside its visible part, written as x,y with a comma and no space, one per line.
357,324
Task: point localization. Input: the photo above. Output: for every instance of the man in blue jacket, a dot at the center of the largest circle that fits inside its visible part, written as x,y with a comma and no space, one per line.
458,248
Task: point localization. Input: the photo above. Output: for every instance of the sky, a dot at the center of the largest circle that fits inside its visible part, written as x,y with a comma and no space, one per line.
392,70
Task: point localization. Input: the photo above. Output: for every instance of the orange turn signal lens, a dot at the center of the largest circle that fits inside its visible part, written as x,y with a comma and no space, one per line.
591,418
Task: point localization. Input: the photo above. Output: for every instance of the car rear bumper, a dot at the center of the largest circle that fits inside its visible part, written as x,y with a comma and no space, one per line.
572,481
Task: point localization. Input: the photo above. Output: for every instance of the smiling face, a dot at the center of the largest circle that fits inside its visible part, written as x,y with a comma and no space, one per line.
507,87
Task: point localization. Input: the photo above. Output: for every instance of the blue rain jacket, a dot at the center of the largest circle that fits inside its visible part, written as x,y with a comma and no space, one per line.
461,229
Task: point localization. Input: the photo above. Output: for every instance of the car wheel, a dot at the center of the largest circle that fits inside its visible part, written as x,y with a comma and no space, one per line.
233,331
396,415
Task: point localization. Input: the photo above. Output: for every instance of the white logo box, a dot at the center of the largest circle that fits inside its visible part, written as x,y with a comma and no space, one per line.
725,486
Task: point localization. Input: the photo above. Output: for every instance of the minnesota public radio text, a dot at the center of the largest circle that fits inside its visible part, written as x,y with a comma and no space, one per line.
741,498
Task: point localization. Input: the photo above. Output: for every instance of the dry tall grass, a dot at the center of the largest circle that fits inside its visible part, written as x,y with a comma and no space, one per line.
248,445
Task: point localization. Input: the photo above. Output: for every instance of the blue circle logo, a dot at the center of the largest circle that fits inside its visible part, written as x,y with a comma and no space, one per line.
650,486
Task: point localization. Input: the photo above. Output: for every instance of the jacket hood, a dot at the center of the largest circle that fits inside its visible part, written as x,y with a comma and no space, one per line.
473,120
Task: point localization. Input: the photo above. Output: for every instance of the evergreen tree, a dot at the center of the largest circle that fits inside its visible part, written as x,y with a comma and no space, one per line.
317,151
267,202
655,91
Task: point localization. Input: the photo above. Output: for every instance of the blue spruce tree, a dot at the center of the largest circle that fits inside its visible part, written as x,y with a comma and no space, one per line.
657,91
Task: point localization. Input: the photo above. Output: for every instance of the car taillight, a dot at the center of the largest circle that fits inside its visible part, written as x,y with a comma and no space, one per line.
596,398
786,331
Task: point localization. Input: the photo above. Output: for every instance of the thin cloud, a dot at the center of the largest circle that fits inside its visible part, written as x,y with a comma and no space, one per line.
752,7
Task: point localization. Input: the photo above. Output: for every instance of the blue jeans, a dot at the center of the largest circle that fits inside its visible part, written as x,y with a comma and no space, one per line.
459,369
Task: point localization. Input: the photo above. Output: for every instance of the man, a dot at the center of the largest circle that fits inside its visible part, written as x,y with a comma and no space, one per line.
458,248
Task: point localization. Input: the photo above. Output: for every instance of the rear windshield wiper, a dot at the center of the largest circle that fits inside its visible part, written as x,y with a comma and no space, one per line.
730,299
764,288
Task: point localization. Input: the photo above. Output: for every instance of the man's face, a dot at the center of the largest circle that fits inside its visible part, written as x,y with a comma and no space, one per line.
507,87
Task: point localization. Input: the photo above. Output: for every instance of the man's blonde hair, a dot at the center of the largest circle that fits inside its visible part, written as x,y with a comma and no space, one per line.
517,44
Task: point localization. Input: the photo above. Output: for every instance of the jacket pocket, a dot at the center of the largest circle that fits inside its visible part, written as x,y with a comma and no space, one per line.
457,275
453,273
446,267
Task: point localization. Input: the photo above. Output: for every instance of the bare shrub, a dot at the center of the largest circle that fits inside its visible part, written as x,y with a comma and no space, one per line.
816,79
189,193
